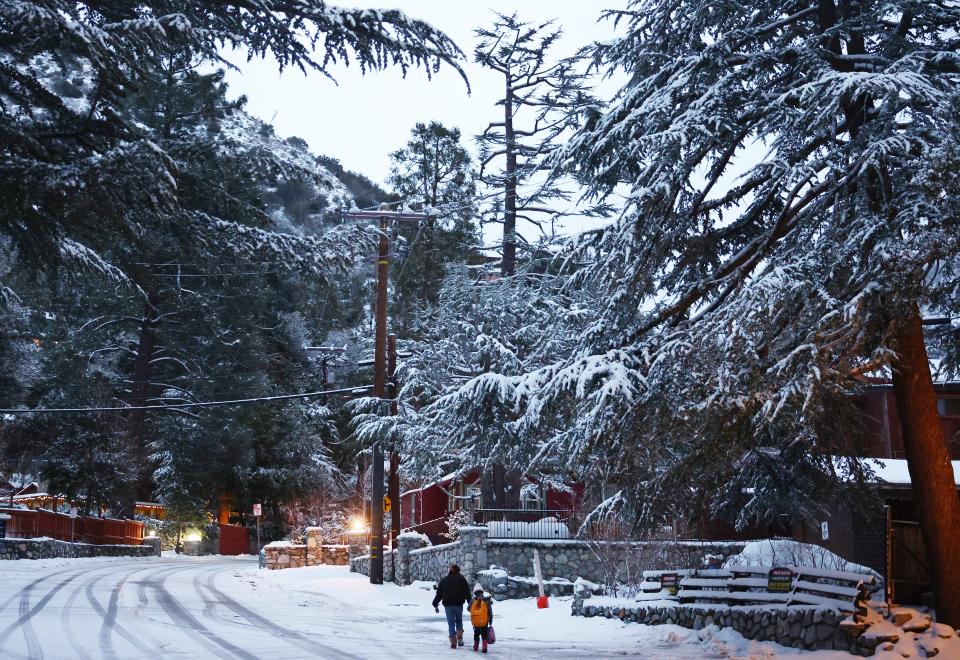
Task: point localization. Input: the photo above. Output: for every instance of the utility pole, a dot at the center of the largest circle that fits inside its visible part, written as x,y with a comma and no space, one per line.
393,485
383,218
379,391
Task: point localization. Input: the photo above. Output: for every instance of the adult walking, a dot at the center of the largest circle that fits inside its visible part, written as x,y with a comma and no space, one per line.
453,591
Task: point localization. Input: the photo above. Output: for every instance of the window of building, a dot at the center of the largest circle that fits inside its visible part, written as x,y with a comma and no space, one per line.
948,406
474,491
531,499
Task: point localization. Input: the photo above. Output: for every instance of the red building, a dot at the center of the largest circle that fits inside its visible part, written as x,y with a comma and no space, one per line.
425,509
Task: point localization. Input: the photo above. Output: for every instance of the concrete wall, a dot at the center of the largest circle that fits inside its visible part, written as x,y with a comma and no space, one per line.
47,548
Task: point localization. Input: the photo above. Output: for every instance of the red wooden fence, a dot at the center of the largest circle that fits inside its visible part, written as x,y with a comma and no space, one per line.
234,540
27,524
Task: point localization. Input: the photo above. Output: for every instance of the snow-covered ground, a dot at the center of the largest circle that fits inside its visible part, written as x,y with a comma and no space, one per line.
226,607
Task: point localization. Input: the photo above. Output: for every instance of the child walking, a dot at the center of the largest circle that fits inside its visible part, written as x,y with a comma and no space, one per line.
481,616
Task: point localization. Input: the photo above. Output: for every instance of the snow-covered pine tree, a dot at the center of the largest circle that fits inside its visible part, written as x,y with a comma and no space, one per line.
90,180
76,169
541,100
793,170
434,173
466,381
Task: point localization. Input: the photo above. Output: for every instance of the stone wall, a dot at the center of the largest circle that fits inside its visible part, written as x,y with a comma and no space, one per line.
561,560
284,554
599,562
799,627
47,548
432,563
507,587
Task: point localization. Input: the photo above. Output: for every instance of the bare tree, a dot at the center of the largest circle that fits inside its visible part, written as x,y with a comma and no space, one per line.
540,101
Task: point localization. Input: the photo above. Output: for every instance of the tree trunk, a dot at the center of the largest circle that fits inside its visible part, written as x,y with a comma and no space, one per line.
928,460
508,264
139,392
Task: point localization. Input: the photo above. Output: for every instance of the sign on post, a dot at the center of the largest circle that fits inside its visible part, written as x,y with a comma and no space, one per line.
257,512
780,580
387,504
825,530
670,582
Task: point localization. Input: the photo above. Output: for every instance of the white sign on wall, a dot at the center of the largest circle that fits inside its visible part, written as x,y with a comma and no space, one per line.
825,531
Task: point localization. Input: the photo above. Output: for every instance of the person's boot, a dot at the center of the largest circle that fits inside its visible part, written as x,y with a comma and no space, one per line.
484,646
476,644
453,641
459,638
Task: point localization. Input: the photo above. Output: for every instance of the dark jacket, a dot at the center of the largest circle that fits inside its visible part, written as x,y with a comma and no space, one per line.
452,590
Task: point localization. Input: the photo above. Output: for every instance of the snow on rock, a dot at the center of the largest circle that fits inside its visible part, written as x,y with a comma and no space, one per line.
410,534
907,633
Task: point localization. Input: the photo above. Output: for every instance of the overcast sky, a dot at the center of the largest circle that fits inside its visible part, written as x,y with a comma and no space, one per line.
361,119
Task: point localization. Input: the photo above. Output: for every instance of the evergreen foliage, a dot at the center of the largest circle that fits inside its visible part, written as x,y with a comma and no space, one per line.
786,166
145,207
432,173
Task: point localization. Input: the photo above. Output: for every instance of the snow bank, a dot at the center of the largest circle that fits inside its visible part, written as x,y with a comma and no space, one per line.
785,552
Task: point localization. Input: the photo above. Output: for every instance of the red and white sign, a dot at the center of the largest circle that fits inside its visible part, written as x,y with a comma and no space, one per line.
257,509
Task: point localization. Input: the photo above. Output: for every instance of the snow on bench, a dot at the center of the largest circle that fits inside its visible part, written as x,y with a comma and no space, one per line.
840,590
840,576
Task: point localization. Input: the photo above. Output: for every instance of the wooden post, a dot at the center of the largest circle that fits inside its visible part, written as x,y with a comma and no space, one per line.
888,574
393,485
379,391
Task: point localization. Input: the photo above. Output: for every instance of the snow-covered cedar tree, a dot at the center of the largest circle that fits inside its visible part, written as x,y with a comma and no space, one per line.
464,385
78,171
433,172
792,215
543,97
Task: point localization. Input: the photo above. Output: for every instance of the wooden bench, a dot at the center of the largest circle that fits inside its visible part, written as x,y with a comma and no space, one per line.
748,585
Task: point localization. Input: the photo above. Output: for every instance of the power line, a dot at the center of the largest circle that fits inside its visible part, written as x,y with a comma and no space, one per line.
198,404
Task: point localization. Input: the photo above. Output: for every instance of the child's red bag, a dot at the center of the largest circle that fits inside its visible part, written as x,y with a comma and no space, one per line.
491,636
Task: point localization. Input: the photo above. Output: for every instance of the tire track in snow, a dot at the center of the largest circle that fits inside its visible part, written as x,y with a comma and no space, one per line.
293,637
109,616
27,612
191,624
65,621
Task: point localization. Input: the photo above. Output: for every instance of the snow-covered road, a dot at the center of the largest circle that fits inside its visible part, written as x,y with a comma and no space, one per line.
226,608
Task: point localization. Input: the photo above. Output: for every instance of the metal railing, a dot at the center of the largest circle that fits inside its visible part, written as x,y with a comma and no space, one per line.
532,524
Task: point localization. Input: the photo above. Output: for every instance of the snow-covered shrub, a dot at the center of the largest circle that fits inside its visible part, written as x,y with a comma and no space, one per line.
457,519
